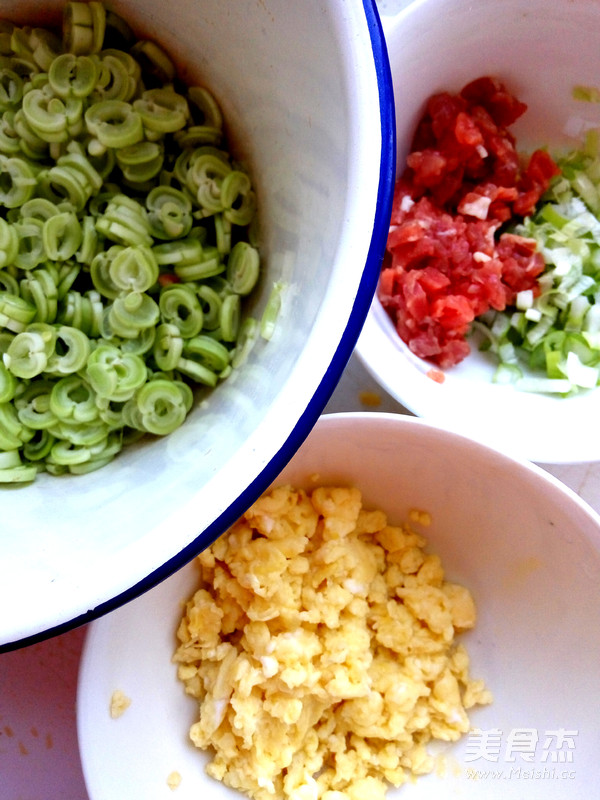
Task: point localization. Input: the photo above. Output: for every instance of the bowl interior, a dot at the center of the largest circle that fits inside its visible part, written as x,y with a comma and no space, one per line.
292,92
541,51
526,546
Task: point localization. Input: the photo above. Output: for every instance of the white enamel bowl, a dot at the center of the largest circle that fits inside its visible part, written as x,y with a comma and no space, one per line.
526,546
541,50
306,90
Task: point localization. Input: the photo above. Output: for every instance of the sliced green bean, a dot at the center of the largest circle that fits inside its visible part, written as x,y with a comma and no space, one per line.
72,178
132,312
39,446
111,413
39,289
45,47
155,63
24,66
84,433
33,406
12,470
169,212
41,208
207,120
211,303
82,167
15,313
223,233
162,110
179,305
20,42
31,145
8,283
89,245
229,318
9,243
71,351
5,339
137,345
66,277
11,89
125,221
168,346
65,453
17,181
31,250
237,198
8,384
52,118
28,353
120,283
72,398
114,123
243,266
100,272
62,236
162,406
91,465
245,343
208,352
270,314
114,375
13,433
205,177
71,75
182,251
141,162
198,372
83,26
10,144
119,76
207,266
134,268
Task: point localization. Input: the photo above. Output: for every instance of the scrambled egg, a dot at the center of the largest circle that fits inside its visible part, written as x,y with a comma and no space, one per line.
174,780
321,650
119,703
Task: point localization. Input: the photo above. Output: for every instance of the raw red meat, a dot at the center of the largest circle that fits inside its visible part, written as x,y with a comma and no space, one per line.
447,259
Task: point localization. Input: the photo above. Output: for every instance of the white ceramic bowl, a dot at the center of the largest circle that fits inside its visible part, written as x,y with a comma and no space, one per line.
526,546
541,50
306,91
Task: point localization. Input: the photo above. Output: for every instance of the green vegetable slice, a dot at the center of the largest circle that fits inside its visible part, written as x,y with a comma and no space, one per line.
123,245
550,343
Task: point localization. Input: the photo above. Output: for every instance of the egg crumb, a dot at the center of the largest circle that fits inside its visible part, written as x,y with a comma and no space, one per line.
119,703
320,646
173,780
369,398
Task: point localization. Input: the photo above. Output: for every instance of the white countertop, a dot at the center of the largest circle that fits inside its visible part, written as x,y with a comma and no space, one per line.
39,757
